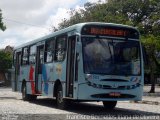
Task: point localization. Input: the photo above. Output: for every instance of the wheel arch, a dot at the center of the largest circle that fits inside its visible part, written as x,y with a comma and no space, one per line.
57,83
23,83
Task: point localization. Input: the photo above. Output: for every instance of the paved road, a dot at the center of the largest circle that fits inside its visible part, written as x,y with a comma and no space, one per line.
13,108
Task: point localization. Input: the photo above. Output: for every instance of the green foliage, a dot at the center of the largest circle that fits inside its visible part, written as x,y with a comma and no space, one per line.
2,26
152,46
5,61
151,42
143,14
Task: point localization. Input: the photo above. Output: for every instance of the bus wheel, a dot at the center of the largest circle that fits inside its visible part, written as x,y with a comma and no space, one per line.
25,96
32,97
109,104
61,103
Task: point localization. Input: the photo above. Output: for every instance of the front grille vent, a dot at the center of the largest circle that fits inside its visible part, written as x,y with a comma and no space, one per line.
114,80
127,87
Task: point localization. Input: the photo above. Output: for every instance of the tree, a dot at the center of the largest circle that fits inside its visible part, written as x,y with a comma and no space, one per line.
5,63
152,45
2,26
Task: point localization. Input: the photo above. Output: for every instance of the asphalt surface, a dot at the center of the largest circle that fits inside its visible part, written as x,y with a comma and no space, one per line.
12,107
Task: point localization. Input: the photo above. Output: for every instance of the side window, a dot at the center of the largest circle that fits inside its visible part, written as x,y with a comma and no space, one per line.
25,56
60,49
32,55
49,50
41,56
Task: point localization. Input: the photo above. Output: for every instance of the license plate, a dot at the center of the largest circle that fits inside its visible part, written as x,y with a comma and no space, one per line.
115,94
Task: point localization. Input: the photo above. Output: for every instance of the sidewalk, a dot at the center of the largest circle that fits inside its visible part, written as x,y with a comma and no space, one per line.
150,98
147,88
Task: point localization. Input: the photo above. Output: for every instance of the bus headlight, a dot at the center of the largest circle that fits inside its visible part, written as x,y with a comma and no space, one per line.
88,77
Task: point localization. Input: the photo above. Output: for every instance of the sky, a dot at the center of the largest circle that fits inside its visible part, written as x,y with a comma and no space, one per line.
27,20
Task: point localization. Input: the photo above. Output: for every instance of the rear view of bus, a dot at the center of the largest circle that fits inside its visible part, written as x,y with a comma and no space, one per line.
112,64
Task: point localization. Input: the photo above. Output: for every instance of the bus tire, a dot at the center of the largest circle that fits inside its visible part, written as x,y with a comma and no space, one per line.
60,101
109,105
32,97
25,96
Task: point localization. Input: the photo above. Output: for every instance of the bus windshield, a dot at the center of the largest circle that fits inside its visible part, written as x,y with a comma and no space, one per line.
111,56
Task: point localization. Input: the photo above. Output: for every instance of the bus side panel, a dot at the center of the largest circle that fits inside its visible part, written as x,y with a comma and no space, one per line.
46,77
19,81
29,88
28,74
20,86
52,72
13,80
81,78
60,74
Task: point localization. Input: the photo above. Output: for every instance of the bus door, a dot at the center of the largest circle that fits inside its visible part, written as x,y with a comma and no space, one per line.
17,70
70,71
38,72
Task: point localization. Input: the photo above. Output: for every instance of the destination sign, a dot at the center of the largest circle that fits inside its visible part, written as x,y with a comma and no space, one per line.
107,31
110,31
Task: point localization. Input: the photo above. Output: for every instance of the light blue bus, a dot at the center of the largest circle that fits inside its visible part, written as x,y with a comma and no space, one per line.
90,61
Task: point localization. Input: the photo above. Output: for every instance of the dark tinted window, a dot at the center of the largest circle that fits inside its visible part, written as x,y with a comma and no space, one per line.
60,49
32,55
111,57
25,56
49,51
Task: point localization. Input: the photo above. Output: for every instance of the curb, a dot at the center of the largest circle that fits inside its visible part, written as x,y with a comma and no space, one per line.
152,94
146,102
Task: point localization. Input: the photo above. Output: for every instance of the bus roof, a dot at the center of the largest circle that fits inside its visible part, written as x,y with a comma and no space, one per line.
76,27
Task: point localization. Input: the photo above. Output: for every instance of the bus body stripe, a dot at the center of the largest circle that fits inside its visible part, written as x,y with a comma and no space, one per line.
44,75
31,78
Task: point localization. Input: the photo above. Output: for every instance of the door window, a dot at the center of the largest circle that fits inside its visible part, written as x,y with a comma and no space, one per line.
32,55
25,56
60,49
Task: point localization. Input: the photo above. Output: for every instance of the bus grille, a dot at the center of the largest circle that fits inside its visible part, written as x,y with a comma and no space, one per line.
127,87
